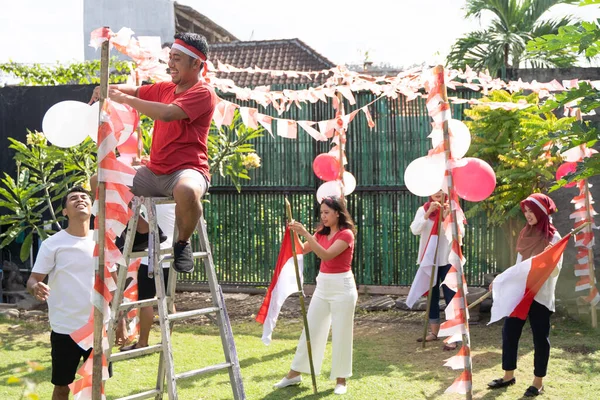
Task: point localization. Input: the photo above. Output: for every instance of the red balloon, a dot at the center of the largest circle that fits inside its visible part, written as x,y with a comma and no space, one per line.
565,169
129,146
326,167
475,181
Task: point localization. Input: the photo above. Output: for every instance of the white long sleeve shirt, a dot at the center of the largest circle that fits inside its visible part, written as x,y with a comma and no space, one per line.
422,227
546,295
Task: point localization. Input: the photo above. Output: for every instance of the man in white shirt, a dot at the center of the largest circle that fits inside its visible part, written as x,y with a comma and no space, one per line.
67,259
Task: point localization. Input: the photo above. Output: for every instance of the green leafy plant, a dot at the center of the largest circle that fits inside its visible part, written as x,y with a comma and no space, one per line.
503,44
84,73
515,144
582,39
44,174
230,152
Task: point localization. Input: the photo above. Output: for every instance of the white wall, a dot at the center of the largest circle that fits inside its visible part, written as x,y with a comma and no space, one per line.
144,17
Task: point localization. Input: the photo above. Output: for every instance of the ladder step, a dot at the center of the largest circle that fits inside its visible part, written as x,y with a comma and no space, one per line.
201,371
195,255
192,313
140,254
139,303
125,355
142,395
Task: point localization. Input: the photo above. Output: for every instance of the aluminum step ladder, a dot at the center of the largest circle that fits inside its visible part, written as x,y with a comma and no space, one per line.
164,301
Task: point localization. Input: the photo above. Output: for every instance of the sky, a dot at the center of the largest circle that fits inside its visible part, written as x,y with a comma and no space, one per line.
395,32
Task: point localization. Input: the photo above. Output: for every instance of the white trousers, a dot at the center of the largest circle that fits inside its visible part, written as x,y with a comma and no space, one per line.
332,305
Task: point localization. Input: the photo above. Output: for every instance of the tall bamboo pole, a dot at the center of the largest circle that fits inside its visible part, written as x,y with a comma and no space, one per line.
433,271
439,73
294,238
98,314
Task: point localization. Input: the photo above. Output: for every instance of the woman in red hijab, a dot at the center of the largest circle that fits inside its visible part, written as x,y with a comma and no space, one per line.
535,237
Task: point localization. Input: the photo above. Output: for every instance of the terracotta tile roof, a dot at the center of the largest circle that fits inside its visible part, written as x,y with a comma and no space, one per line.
284,54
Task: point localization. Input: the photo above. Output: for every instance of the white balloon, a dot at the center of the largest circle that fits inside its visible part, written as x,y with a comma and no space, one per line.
93,119
460,140
425,175
328,189
66,124
349,183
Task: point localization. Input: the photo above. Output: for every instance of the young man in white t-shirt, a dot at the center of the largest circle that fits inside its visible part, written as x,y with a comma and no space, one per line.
67,259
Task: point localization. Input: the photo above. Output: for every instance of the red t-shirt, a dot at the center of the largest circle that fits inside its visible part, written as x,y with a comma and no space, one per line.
343,262
181,144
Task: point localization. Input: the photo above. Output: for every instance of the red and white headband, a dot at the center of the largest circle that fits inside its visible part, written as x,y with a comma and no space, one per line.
189,50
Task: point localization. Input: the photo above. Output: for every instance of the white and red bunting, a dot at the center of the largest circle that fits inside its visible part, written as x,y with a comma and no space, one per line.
151,64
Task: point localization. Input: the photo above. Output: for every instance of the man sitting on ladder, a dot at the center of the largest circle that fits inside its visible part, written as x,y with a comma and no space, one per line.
182,111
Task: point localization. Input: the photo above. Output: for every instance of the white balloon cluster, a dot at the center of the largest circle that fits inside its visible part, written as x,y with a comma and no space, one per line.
425,175
68,123
474,179
334,188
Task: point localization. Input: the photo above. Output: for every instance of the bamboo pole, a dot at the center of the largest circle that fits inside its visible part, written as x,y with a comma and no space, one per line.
98,314
433,271
294,238
479,300
439,71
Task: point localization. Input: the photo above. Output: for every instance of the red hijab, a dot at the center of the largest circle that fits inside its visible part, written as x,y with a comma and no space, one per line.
534,238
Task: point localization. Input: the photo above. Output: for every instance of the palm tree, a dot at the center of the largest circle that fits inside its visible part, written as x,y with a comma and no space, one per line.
503,43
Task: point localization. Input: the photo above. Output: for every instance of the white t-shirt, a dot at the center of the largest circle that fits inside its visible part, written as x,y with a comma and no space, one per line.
422,227
165,215
545,296
69,263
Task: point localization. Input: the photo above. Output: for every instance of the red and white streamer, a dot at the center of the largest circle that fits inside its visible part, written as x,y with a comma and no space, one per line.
457,315
584,240
117,123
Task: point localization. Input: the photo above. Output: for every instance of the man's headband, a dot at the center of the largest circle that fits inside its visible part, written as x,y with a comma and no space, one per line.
189,50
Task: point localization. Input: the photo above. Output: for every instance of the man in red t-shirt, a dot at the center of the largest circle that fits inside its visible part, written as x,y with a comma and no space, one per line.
182,111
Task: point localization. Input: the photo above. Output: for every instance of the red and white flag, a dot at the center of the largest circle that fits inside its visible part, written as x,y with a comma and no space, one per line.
515,288
282,285
459,360
462,384
594,297
420,285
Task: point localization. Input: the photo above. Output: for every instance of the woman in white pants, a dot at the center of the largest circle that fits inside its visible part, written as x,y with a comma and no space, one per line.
334,299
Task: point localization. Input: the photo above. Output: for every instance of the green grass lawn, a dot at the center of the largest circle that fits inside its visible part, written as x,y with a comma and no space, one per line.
388,363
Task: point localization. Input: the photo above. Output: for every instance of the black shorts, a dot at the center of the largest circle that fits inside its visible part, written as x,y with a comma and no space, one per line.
66,355
146,286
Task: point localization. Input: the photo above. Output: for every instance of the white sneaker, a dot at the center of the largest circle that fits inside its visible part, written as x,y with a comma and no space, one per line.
288,382
340,389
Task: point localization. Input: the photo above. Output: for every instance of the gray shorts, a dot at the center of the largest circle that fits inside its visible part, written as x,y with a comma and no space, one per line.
146,183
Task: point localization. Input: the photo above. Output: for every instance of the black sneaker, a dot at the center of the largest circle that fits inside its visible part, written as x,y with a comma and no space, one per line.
183,259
